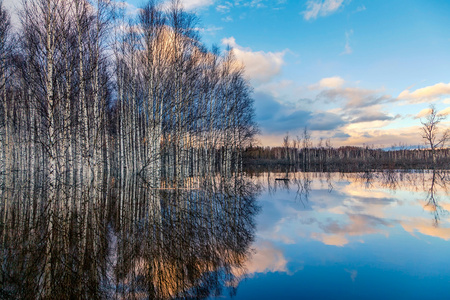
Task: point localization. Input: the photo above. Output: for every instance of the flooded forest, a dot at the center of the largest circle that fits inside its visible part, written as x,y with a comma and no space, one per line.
130,169
121,155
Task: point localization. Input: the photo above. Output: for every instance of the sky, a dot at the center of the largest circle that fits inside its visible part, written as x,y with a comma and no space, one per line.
358,72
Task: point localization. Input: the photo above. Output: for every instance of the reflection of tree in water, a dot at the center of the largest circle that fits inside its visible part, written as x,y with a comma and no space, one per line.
438,181
431,182
127,242
301,180
303,187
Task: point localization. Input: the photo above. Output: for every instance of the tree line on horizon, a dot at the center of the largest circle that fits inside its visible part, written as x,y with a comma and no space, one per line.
86,91
301,152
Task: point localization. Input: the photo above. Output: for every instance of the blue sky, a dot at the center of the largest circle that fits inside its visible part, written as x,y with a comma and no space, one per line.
356,71
342,68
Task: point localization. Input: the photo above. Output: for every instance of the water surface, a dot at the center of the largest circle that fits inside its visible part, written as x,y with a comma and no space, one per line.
255,236
351,236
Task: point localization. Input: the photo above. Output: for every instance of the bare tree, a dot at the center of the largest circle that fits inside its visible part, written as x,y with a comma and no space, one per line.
431,132
5,48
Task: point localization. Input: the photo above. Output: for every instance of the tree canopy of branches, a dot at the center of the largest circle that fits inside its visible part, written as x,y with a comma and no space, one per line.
85,93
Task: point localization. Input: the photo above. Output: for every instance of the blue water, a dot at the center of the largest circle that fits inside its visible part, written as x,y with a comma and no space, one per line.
334,236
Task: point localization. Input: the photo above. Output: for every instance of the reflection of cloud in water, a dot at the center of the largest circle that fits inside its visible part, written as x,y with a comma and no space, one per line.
424,226
356,207
332,240
360,225
266,259
353,274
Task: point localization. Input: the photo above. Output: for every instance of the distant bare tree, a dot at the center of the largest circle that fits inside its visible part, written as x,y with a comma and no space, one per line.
306,140
431,132
286,145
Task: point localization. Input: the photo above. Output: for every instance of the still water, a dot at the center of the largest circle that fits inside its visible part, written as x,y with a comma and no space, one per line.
259,236
351,236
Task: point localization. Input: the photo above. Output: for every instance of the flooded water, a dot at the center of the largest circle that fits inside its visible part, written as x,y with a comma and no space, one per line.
259,236
351,236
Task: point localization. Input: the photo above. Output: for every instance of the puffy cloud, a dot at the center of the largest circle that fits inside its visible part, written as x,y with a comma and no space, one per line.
325,121
266,107
445,112
315,8
289,121
341,135
423,113
425,94
329,82
373,115
260,66
275,117
354,97
372,134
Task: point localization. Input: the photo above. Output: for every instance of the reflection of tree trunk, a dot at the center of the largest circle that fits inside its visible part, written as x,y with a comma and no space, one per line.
431,200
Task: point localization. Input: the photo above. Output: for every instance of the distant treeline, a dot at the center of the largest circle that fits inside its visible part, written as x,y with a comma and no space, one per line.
345,158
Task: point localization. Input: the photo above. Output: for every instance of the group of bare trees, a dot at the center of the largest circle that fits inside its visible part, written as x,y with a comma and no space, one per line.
86,91
348,158
89,98
301,152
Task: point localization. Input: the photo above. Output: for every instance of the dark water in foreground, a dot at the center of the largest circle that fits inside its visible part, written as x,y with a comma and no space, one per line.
313,236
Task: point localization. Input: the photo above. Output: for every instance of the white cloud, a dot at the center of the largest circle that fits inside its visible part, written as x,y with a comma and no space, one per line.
423,113
347,49
428,93
354,97
315,8
260,66
209,30
192,4
227,19
329,82
445,112
224,8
